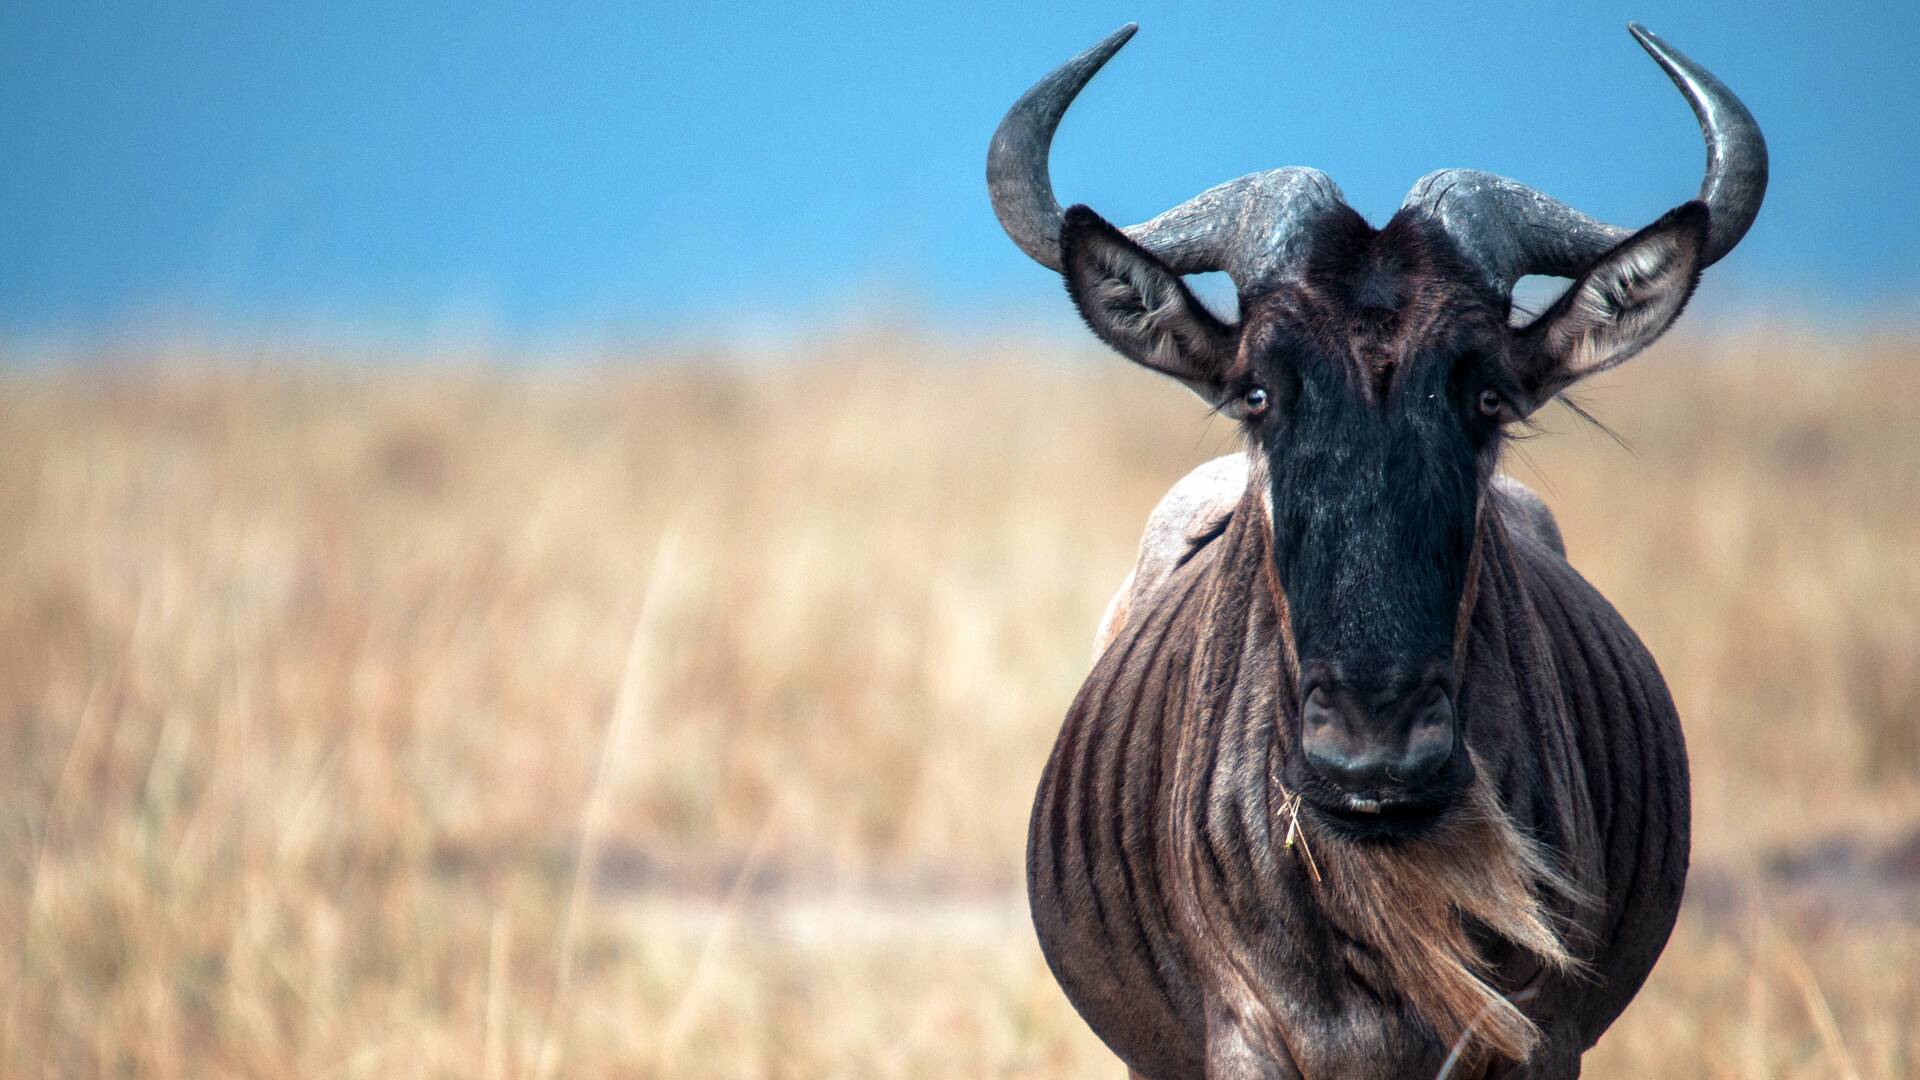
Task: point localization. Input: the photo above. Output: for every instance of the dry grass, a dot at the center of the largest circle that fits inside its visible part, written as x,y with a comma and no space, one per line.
316,684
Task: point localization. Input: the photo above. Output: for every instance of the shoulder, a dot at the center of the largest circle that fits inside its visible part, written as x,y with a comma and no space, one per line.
1188,516
1193,510
1526,513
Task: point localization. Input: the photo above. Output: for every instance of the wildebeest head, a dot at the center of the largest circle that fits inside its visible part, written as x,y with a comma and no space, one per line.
1375,372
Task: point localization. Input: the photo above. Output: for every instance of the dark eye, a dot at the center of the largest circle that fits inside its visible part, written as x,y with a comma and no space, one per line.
1254,401
1490,403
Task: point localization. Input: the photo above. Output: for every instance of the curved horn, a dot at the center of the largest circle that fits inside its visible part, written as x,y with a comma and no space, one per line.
1736,179
1017,177
1511,230
1249,227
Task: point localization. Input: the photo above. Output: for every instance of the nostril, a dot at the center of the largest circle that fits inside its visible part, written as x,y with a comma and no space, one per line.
1430,740
1318,711
1435,712
1332,745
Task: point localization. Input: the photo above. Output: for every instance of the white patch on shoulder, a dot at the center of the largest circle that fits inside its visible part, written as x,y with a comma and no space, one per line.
1526,511
1190,510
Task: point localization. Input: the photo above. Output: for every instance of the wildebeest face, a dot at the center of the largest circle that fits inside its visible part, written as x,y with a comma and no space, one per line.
1385,398
1375,387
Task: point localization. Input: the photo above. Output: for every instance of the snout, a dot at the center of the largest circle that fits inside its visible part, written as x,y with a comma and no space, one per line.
1382,744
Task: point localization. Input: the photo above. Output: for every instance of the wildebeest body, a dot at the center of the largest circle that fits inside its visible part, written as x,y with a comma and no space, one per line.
1570,723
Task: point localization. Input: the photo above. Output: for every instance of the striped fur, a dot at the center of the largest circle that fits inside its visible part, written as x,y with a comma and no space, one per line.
1195,943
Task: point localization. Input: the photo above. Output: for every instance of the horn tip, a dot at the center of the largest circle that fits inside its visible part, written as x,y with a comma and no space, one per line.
1097,55
1112,42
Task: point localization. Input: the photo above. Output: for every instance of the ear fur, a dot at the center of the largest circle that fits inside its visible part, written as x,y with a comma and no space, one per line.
1621,305
1133,302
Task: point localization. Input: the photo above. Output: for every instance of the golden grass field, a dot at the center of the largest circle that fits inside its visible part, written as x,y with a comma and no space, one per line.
678,716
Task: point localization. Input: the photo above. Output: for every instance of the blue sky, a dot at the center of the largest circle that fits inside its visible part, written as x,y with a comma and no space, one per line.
638,169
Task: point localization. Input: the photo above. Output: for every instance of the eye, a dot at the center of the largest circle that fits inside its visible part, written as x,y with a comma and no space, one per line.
1254,401
1491,403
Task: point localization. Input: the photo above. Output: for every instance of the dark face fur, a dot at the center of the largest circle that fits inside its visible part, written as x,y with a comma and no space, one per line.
1374,387
1378,441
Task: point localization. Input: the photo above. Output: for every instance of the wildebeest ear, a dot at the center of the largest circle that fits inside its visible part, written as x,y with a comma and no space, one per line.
1140,307
1621,305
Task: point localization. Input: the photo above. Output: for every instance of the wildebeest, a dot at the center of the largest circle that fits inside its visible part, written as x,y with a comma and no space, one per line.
1366,780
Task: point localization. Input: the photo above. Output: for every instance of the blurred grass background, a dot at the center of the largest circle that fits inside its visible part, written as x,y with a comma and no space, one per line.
680,716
